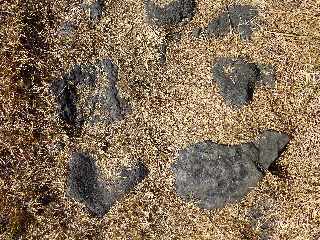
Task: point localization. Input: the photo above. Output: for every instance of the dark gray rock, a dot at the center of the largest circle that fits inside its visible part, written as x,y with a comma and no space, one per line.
241,17
214,174
129,177
96,10
237,19
196,32
85,96
170,14
85,185
267,75
219,27
236,80
163,53
270,145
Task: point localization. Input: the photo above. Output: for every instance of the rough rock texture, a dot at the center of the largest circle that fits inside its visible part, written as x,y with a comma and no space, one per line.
270,145
214,174
96,10
219,27
241,17
85,186
66,28
170,14
236,80
88,95
237,19
267,75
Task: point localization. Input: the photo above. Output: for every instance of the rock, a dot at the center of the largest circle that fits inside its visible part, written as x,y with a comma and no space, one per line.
213,175
267,75
170,14
129,177
66,98
241,17
219,27
236,80
96,10
88,95
237,19
270,145
86,186
163,53
196,32
66,28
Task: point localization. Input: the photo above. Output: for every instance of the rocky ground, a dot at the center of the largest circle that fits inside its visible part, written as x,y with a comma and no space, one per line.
159,119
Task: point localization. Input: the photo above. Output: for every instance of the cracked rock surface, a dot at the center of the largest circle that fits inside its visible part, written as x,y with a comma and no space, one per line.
213,175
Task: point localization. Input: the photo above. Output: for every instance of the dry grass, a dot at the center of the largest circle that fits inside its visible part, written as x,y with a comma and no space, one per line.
173,105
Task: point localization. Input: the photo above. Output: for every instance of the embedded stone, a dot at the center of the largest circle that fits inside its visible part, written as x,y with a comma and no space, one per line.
88,94
170,14
96,10
237,19
86,186
213,175
236,80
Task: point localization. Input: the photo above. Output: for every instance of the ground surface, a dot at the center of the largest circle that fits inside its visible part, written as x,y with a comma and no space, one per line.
173,105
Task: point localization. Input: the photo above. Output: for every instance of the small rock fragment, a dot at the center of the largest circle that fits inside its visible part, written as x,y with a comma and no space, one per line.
163,53
236,80
219,27
86,186
66,28
170,14
129,177
270,145
196,32
213,175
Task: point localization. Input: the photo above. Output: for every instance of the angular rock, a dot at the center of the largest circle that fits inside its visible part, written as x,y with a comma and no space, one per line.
129,177
66,28
86,186
213,175
88,95
236,80
237,19
241,17
270,145
170,14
